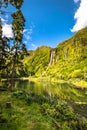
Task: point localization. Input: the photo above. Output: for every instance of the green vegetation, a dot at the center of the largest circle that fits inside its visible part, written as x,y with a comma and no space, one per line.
24,109
30,111
37,61
12,48
69,59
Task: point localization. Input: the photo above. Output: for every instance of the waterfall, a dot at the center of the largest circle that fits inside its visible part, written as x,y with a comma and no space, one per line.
66,53
52,57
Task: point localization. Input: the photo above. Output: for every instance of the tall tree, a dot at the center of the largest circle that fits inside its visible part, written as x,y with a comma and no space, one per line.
16,49
18,45
3,50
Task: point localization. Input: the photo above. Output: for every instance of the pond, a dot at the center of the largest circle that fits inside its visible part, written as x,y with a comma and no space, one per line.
76,97
62,90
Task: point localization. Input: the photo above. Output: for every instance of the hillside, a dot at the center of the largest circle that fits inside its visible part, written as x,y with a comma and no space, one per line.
71,57
67,60
38,60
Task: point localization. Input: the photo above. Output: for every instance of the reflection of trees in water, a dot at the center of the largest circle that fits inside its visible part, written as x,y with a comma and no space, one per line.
29,86
24,84
47,93
21,84
62,90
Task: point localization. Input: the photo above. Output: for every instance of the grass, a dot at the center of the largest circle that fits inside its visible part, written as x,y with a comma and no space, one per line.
35,112
31,111
22,115
80,108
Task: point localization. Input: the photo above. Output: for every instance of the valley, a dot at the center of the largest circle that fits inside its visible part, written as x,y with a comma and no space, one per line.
50,89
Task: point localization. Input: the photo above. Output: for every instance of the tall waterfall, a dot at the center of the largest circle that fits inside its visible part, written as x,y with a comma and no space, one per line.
52,57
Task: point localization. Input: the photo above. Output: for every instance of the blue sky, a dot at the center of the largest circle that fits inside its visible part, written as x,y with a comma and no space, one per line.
49,22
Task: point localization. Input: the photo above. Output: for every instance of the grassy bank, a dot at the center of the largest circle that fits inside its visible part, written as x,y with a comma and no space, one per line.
21,116
35,112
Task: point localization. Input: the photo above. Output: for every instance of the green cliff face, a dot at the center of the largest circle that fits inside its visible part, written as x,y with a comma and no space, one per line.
71,57
38,60
67,60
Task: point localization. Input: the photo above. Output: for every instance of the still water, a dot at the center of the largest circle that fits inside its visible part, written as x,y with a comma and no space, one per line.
62,90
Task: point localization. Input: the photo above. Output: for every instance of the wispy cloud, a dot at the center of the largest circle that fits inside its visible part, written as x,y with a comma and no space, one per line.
25,42
30,45
3,20
80,16
28,37
76,1
33,46
27,33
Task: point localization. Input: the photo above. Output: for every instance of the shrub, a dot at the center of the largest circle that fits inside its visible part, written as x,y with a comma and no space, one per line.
77,74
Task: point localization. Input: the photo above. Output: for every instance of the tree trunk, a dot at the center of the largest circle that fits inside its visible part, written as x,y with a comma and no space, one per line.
11,81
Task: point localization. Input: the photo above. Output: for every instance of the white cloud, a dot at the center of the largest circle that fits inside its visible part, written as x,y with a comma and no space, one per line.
27,33
25,30
28,37
30,31
3,20
34,46
80,16
7,30
25,42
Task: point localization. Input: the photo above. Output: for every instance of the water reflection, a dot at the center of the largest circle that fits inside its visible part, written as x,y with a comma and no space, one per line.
62,90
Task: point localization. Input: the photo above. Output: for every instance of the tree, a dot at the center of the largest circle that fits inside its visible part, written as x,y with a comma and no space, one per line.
17,47
3,50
